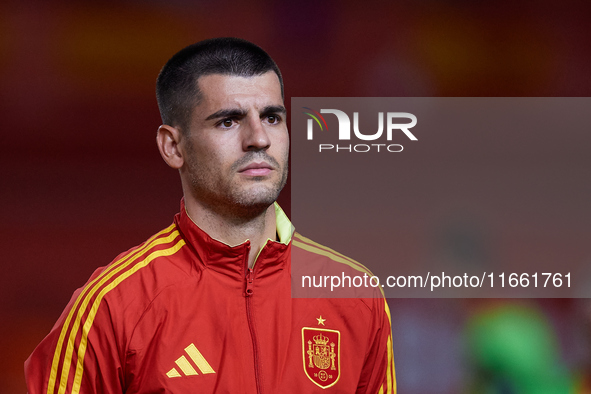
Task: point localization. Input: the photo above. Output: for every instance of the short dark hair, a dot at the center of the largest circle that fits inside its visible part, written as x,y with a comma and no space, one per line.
176,87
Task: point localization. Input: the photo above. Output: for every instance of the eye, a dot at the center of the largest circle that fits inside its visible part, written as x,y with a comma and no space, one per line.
273,119
227,123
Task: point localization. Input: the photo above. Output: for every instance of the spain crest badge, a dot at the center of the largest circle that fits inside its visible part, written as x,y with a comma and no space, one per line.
321,352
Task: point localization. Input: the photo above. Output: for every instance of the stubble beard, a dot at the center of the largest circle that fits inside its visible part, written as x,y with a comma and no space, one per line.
233,199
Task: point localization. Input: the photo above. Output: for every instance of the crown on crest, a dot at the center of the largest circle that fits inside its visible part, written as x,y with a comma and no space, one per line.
321,339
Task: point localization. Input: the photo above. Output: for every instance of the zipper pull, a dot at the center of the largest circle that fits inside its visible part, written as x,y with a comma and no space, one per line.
249,280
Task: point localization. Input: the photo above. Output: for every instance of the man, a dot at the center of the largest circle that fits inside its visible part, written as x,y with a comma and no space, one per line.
205,306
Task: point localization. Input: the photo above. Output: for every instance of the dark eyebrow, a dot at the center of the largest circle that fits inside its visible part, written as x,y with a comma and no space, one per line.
227,113
273,109
239,113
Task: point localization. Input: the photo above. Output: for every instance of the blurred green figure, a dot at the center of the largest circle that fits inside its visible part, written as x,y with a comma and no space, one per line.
512,349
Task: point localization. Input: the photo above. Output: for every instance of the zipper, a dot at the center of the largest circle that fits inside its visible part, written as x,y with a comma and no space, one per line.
248,293
249,285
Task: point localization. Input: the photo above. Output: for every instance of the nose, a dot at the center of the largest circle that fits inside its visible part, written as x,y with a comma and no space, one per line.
256,136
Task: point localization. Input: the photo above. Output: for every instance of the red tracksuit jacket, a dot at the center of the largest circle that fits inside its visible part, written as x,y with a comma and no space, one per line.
182,313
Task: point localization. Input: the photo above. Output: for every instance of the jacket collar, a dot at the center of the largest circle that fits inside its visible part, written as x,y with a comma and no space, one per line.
233,260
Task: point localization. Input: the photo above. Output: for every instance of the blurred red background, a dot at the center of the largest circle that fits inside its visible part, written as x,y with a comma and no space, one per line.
82,180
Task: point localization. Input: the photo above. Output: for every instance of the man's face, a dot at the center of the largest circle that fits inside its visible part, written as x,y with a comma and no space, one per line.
237,145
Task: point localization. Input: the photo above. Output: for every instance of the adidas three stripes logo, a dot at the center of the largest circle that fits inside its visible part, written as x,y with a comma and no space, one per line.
188,369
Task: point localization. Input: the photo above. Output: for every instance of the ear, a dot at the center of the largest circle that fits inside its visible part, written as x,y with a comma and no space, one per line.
168,139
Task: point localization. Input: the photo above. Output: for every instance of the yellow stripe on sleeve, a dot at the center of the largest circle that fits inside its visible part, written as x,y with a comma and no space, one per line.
386,307
388,374
390,367
97,301
393,373
339,258
327,249
333,256
89,295
151,242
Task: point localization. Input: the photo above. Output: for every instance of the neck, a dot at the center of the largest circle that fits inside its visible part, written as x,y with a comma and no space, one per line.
233,230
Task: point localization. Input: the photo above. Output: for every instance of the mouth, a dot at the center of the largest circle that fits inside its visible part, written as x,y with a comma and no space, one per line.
256,169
